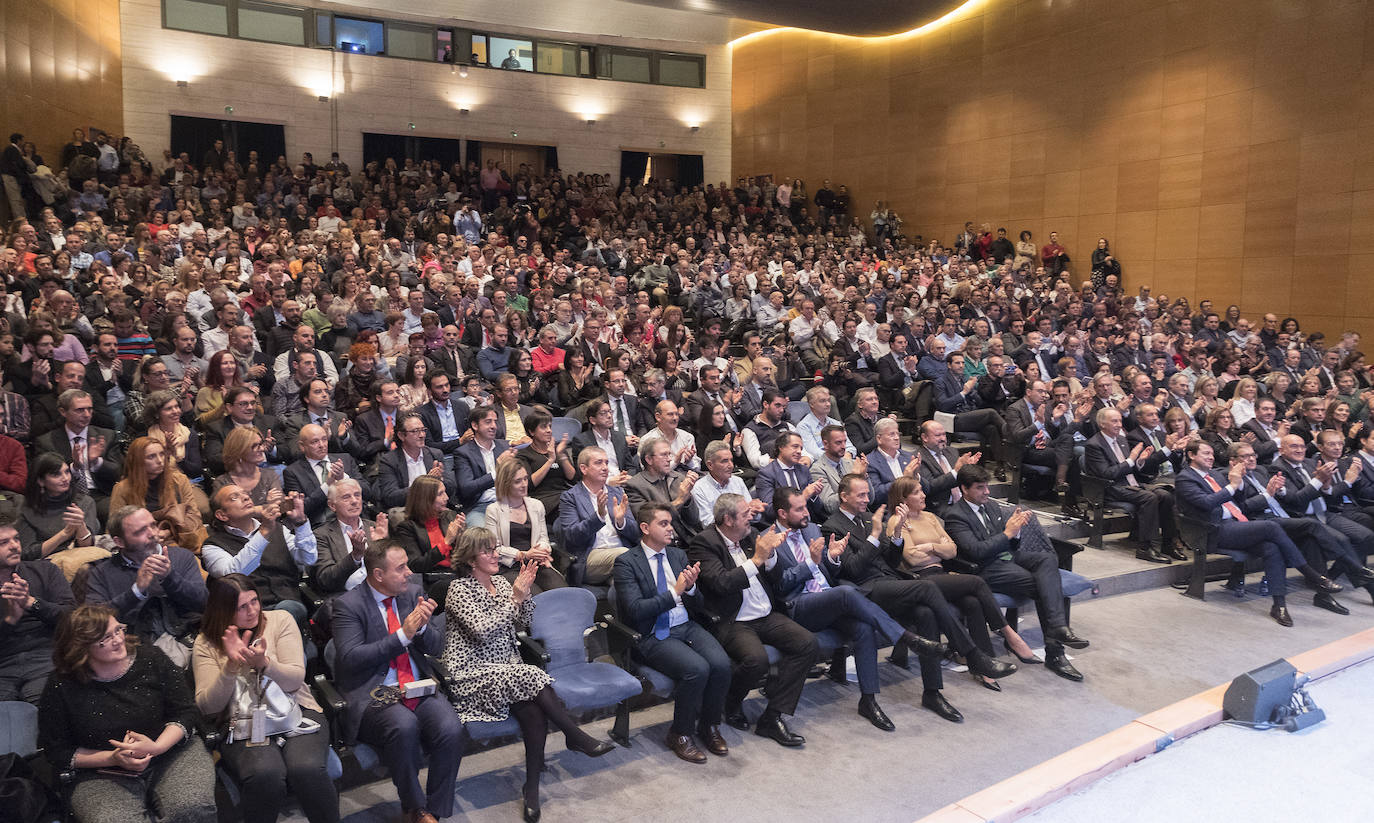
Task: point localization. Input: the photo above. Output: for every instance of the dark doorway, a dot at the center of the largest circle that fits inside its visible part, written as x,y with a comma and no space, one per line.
379,147
197,135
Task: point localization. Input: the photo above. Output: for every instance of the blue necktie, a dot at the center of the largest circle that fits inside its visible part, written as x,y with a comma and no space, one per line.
661,623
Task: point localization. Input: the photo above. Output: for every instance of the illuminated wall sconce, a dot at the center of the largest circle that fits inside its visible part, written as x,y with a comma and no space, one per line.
590,118
323,98
181,84
463,72
695,127
412,126
462,109
514,134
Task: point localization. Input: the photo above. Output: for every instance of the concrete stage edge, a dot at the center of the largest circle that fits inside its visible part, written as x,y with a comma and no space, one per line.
1076,769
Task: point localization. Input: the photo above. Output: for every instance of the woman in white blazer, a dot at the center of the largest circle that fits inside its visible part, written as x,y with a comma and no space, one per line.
521,530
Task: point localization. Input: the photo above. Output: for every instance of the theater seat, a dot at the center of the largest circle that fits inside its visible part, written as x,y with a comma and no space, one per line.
18,728
1073,584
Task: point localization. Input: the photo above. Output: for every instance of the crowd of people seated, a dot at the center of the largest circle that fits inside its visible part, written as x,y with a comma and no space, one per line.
249,405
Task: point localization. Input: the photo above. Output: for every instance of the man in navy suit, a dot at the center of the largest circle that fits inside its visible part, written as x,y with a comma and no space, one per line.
815,599
474,463
412,459
316,470
594,519
445,419
656,587
889,461
786,470
992,540
1200,493
373,645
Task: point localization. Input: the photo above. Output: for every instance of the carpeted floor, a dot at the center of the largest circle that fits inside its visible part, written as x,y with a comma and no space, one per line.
1225,773
1148,649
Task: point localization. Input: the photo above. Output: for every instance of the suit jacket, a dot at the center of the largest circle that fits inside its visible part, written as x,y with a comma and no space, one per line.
293,425
721,582
862,562
861,436
56,440
299,476
449,364
692,405
880,474
335,563
646,406
393,481
1100,462
364,649
1298,493
1018,424
891,372
1265,446
421,553
1194,498
796,575
434,430
998,394
521,410
641,490
774,476
936,482
975,542
1363,489
99,387
213,450
579,522
638,600
625,457
370,430
470,469
1152,464
822,469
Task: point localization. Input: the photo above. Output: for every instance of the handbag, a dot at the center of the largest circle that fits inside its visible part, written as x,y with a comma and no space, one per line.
279,712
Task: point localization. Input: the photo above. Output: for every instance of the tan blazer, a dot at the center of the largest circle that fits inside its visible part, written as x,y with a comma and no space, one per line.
498,521
286,666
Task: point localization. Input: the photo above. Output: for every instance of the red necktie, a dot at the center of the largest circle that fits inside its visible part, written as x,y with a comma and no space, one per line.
401,663
1231,508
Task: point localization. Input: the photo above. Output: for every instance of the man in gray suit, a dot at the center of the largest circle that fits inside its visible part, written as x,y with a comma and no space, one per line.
343,538
833,464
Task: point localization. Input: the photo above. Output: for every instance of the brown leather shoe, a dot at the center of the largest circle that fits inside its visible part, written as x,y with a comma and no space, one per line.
684,747
421,816
715,744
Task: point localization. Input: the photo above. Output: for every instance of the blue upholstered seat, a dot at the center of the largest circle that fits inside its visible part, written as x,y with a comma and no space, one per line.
561,620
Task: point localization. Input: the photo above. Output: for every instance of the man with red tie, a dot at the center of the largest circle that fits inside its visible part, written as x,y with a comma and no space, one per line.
1204,494
376,627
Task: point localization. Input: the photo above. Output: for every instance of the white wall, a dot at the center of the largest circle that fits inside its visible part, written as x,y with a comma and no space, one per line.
281,84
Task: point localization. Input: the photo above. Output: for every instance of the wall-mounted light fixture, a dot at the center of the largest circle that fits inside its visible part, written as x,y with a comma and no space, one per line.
323,98
462,109
695,127
590,118
228,109
463,72
412,126
181,84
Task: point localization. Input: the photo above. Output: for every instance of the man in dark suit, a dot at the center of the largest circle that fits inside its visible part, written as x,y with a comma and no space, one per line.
997,389
787,471
268,317
740,579
625,417
911,602
1200,493
377,627
474,464
344,537
1032,427
709,394
1266,429
35,596
897,372
653,392
95,464
814,598
992,540
940,466
859,425
1132,470
478,336
657,595
445,418
315,401
242,405
316,470
1315,487
451,358
600,433
411,459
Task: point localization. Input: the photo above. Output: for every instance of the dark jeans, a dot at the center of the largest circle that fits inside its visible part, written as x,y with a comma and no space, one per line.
266,775
701,668
23,675
744,641
403,736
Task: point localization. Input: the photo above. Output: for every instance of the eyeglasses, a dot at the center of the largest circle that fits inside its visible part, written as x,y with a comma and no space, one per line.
487,550
116,634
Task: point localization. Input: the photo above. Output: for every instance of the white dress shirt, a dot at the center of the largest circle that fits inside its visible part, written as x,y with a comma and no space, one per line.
755,602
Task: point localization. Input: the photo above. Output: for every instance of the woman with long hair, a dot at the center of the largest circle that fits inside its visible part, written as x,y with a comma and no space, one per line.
154,482
245,451
519,523
121,715
489,681
430,529
55,515
162,412
222,373
414,391
243,656
576,381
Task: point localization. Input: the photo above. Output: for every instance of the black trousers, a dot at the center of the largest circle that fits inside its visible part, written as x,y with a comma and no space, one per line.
971,595
988,424
1058,453
744,642
267,773
1154,511
402,735
920,602
1034,575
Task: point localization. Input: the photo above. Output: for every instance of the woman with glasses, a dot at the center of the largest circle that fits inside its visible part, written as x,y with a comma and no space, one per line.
122,717
489,680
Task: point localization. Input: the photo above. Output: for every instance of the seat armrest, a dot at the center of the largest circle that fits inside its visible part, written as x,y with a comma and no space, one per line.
609,622
1094,488
313,599
532,650
960,566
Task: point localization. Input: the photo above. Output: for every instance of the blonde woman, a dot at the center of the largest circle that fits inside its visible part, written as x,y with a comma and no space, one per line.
244,452
521,529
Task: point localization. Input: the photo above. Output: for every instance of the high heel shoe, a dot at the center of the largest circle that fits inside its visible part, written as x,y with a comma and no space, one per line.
592,747
531,809
990,685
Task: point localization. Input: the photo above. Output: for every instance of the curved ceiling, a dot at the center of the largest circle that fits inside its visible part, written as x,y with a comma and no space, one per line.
863,18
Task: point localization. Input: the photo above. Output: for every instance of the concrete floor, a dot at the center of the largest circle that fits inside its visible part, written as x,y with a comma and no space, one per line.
1149,649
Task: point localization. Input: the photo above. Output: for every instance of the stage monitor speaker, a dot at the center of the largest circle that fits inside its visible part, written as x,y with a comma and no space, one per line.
1253,697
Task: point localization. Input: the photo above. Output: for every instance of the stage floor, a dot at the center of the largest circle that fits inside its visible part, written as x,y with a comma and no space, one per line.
1231,773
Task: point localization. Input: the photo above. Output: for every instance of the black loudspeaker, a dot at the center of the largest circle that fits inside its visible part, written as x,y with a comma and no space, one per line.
1253,697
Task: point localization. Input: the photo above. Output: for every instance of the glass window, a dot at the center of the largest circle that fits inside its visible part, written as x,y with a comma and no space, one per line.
557,58
205,16
514,55
272,24
681,70
443,47
410,40
479,50
359,36
632,66
324,30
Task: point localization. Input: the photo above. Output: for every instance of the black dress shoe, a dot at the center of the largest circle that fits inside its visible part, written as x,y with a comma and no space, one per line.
937,703
923,645
1176,552
685,748
1150,554
979,662
999,471
1065,635
531,808
1281,616
1060,665
990,685
593,747
1322,583
1236,588
735,718
771,725
715,744
1331,604
869,708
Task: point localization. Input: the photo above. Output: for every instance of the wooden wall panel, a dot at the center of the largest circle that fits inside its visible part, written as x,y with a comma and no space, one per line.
62,68
1225,146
